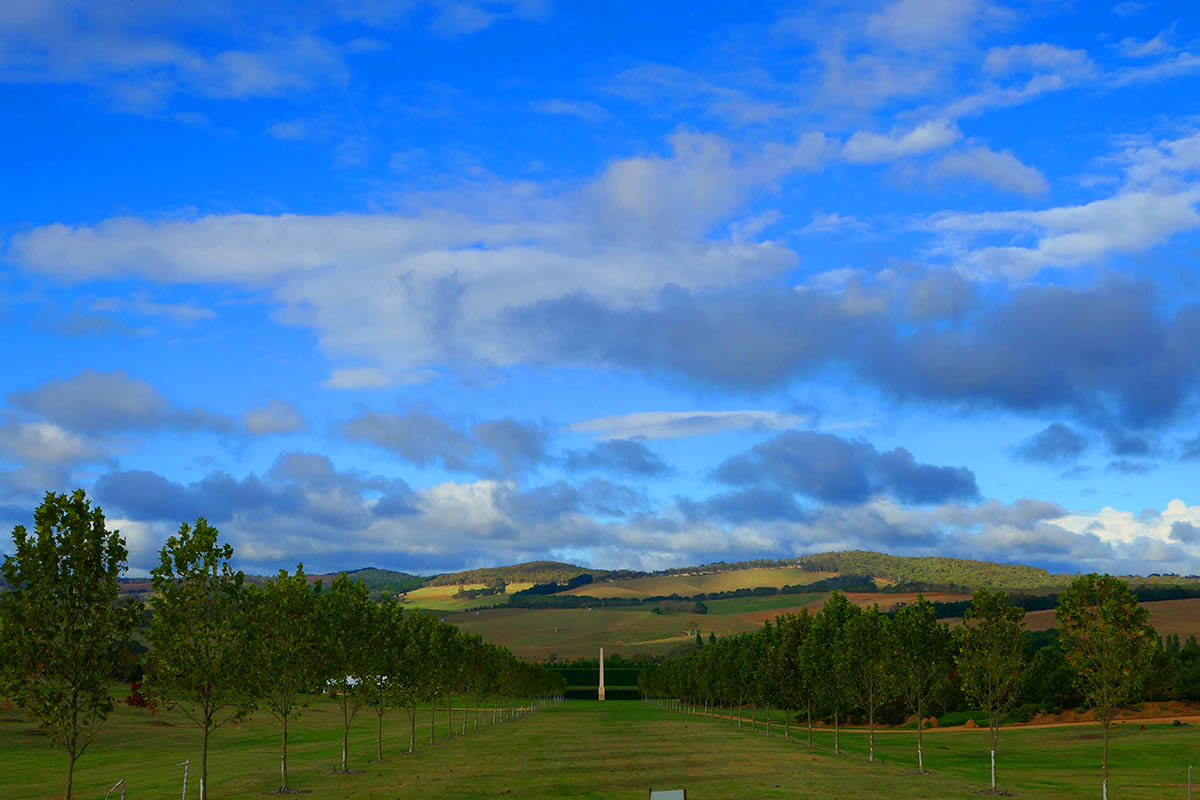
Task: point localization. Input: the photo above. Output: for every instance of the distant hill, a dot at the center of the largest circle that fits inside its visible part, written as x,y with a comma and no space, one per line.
379,580
935,570
529,572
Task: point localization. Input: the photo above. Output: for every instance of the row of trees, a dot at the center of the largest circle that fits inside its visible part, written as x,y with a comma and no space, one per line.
847,660
221,648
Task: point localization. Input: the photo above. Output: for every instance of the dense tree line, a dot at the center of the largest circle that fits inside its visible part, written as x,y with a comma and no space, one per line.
222,648
849,663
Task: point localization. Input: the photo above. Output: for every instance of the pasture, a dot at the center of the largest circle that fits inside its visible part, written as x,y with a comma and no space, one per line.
578,632
586,749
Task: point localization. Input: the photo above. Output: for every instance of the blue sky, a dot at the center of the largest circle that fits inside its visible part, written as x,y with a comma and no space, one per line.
429,284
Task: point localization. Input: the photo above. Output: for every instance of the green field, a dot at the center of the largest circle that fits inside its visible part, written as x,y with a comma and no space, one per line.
578,632
585,749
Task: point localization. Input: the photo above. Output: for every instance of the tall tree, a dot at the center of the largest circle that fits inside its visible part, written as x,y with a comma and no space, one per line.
61,621
290,663
198,659
991,657
824,656
867,659
789,669
923,659
1109,641
345,626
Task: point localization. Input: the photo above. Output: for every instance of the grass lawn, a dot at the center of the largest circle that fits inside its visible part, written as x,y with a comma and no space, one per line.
586,749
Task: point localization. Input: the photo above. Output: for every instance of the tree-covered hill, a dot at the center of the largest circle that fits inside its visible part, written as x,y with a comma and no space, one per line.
529,572
934,570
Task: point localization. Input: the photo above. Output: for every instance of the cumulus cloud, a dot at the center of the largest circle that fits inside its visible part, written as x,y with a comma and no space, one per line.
44,443
840,471
275,416
871,148
620,456
683,424
492,447
1000,169
1056,444
98,402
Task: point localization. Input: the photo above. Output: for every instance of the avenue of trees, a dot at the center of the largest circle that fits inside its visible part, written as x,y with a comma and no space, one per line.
222,649
846,662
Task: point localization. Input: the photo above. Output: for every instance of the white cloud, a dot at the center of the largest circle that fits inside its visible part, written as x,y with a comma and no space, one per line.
1070,236
1125,527
832,222
584,109
681,424
1001,169
403,292
1159,45
358,378
44,443
927,24
1158,200
865,147
141,304
274,416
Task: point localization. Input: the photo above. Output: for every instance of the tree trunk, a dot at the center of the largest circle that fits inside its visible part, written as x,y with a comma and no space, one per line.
70,771
379,732
204,761
768,721
345,733
449,718
808,713
995,731
412,729
837,734
283,787
1104,788
787,725
432,718
871,736
920,741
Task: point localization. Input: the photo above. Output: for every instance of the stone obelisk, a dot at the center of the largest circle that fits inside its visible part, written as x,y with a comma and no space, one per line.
600,694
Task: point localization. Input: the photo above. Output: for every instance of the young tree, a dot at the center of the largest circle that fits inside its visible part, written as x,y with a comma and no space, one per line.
824,655
867,658
198,659
923,657
788,670
1110,642
345,627
990,658
61,623
290,663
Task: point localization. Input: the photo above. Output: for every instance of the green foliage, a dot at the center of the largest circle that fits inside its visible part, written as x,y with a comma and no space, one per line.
529,572
198,660
290,661
922,663
62,626
990,657
933,570
1108,640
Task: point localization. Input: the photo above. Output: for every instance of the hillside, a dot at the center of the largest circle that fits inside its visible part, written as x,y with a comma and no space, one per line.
529,572
935,570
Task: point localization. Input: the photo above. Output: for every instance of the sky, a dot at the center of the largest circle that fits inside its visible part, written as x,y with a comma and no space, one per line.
437,284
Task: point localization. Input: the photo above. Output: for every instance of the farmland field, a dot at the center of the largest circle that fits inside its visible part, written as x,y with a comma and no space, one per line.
576,632
1167,616
688,585
585,749
441,598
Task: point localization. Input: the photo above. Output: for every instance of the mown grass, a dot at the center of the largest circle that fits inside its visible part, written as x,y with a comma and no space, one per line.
586,749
